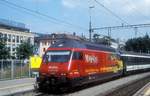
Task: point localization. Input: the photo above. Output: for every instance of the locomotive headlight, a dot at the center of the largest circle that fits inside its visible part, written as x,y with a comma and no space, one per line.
63,74
71,73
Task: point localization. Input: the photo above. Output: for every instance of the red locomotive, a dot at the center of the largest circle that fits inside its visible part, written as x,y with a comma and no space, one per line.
70,62
73,62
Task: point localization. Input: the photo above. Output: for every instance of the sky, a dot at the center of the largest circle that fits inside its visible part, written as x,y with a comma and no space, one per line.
68,16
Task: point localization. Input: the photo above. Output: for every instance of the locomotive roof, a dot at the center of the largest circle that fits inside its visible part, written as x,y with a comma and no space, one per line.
71,43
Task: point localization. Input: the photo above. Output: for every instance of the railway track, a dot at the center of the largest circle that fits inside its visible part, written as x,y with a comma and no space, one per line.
129,89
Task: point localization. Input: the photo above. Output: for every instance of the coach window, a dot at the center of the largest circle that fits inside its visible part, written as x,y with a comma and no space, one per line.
148,59
137,60
141,60
125,59
77,56
145,60
129,59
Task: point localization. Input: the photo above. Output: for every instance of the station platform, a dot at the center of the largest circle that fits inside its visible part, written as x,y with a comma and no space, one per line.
16,86
145,91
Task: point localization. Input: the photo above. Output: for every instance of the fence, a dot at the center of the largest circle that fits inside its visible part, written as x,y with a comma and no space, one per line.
12,69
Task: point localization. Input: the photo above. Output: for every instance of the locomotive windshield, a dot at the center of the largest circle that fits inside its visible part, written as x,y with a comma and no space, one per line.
57,56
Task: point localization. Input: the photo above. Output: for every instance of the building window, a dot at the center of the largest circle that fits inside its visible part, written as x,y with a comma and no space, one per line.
14,54
44,49
29,39
25,39
9,38
21,39
49,43
5,37
9,49
14,49
32,40
43,43
17,39
13,38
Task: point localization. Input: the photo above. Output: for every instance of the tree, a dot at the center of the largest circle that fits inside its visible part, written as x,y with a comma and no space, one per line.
24,50
140,44
106,40
4,52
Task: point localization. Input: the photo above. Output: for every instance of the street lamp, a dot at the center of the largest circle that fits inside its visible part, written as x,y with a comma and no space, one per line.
90,23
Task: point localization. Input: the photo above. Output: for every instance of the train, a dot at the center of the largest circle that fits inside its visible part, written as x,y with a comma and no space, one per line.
69,63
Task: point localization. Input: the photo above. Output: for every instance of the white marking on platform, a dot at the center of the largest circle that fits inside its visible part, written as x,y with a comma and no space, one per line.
147,93
15,86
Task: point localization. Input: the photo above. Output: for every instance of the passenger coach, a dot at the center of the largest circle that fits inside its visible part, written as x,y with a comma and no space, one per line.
135,62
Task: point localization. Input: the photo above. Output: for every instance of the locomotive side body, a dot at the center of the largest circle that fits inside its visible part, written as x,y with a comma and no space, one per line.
99,65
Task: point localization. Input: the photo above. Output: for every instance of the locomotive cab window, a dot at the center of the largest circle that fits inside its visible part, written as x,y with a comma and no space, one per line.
57,56
77,56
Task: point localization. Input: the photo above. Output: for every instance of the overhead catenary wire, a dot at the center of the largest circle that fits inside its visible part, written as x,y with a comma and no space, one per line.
138,12
118,17
29,12
44,15
111,12
9,6
135,9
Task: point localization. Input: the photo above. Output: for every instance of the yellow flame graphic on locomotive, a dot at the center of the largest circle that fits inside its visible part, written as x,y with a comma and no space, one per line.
118,67
119,63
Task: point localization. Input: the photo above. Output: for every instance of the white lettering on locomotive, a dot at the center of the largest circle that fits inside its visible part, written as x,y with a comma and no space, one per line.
53,68
91,59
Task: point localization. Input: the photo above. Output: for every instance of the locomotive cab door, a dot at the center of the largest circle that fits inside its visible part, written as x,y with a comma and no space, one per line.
78,61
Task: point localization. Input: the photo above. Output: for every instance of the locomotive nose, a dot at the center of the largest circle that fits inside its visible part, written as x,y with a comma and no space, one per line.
54,69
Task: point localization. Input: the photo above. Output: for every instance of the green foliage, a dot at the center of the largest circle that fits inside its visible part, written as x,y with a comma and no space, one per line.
141,44
24,50
4,52
105,40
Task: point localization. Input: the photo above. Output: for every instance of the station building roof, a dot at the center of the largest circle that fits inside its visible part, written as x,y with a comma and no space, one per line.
12,25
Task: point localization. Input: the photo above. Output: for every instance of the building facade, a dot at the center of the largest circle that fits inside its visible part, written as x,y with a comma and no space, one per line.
44,41
15,35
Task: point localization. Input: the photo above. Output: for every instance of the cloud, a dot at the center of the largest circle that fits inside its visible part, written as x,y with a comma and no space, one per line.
144,7
128,7
74,3
129,10
135,6
70,3
37,1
